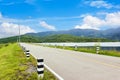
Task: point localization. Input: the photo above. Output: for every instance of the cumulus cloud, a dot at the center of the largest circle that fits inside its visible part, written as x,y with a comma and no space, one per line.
10,29
47,26
91,22
113,19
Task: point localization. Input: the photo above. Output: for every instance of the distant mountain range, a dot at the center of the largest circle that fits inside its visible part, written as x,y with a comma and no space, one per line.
113,33
74,35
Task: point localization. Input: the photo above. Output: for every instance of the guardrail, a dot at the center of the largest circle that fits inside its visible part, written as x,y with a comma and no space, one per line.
85,44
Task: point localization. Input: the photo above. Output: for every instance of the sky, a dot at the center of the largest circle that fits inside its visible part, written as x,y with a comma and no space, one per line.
53,15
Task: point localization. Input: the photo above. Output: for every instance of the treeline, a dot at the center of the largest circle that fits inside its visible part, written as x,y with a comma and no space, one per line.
8,40
52,38
71,38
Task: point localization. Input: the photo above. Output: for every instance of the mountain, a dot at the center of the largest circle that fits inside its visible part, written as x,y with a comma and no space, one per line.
75,32
113,33
74,35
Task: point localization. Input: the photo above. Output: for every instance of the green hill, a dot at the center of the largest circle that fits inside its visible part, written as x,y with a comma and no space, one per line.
71,38
23,38
52,38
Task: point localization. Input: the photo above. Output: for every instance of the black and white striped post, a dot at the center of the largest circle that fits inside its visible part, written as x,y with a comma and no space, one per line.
97,49
40,68
76,47
27,54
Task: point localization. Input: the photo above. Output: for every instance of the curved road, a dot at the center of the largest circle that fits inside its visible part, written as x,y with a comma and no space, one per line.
72,65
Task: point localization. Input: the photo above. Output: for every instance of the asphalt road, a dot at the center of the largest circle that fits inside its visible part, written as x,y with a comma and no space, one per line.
72,65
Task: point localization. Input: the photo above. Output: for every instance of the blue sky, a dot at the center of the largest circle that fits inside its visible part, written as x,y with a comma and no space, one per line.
47,15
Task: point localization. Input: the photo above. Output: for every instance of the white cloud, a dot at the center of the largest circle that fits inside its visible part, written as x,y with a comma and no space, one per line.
113,19
10,29
102,13
91,22
85,26
47,26
101,4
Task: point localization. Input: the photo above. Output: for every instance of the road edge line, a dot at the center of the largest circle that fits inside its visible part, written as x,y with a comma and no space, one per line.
54,73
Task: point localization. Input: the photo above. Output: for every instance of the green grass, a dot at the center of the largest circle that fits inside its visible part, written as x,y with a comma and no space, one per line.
110,53
15,66
91,50
10,62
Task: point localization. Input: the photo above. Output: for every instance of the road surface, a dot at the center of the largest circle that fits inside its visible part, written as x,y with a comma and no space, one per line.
72,65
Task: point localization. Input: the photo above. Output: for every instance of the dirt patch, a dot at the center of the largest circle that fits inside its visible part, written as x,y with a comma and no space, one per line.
31,68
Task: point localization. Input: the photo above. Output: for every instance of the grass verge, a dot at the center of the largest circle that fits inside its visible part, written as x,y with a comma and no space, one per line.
15,66
90,50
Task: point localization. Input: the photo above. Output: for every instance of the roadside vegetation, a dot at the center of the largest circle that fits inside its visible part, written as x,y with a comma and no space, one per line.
15,66
90,50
